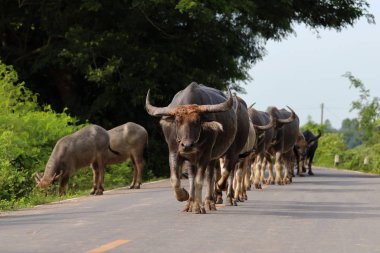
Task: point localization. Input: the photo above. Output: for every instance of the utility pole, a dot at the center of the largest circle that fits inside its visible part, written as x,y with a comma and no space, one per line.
322,108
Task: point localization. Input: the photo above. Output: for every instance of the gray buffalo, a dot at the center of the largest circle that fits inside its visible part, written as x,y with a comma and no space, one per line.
88,146
199,126
129,140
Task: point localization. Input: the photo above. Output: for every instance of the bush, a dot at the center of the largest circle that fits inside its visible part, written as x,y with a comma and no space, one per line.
329,145
27,135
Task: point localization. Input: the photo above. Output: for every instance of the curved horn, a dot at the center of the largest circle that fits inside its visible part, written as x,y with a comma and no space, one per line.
37,177
156,111
56,177
224,106
265,127
290,119
252,105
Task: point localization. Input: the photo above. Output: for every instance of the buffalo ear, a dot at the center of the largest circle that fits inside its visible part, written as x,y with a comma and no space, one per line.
213,126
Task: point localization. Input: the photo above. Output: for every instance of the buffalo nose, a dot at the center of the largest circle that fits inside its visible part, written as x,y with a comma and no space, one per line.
187,145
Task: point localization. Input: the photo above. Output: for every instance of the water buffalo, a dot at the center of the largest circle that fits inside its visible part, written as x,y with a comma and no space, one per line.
88,146
129,140
243,167
299,153
312,145
231,157
199,126
286,129
263,124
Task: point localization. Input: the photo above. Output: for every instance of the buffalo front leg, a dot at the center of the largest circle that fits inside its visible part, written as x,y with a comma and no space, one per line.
238,186
199,178
63,185
209,198
230,190
278,168
224,173
310,172
258,174
180,193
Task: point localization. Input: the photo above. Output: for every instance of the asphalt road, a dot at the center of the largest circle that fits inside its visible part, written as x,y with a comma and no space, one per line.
334,211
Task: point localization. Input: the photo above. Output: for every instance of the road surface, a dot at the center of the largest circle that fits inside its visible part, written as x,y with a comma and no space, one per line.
333,211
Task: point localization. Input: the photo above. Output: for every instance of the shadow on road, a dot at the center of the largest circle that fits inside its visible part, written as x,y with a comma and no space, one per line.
304,210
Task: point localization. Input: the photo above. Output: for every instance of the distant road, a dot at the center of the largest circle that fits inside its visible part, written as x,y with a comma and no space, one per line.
331,212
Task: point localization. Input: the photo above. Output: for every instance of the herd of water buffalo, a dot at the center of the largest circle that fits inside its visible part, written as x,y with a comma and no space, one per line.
209,135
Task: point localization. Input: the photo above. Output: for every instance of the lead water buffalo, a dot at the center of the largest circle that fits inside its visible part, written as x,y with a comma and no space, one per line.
312,145
199,126
129,140
88,146
286,131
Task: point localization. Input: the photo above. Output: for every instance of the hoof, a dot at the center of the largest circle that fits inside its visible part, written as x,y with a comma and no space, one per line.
182,195
311,173
219,200
210,205
258,186
99,192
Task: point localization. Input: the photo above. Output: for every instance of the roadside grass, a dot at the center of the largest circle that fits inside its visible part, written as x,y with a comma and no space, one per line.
117,176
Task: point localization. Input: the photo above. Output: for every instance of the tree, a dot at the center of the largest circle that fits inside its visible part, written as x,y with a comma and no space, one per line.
351,133
98,58
368,110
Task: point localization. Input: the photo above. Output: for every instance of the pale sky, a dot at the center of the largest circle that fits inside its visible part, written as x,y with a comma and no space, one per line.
306,70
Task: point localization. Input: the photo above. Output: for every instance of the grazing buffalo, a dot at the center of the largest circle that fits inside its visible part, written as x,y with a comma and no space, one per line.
263,124
199,126
88,146
312,145
286,129
129,140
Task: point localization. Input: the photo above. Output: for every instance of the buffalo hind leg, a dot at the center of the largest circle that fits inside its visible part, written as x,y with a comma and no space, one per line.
95,177
138,165
278,168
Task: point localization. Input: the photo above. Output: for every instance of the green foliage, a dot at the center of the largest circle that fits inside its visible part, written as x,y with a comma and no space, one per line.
354,158
351,133
329,145
368,110
28,134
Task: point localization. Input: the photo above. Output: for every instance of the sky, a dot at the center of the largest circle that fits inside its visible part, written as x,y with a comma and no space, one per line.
306,69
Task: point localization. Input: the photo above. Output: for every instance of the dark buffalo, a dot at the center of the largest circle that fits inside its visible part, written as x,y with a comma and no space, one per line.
286,129
299,153
199,126
263,124
231,158
312,145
